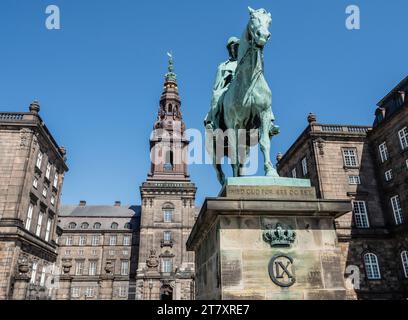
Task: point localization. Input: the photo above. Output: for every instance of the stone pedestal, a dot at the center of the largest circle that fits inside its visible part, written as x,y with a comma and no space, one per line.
268,238
20,287
64,287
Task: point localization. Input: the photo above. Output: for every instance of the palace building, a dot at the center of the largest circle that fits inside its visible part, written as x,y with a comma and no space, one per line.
138,252
368,165
32,168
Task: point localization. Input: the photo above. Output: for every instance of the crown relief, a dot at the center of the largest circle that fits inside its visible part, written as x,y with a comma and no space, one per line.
279,235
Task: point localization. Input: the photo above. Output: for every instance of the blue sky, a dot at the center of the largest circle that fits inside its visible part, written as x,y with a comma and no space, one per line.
99,78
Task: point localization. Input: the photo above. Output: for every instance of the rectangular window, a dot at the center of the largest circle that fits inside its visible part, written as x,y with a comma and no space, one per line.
125,252
304,166
92,268
167,235
354,180
111,252
113,240
122,291
29,216
383,152
79,268
168,215
124,268
39,160
403,137
34,272
396,208
42,279
294,173
48,230
67,252
90,292
350,157
45,191
82,240
94,252
69,241
76,292
126,240
39,224
81,252
95,240
52,200
55,184
388,175
360,214
167,266
48,171
35,183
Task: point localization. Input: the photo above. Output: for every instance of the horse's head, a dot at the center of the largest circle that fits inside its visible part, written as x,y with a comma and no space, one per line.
258,26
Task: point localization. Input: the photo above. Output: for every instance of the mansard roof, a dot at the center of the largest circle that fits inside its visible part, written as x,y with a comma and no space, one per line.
99,211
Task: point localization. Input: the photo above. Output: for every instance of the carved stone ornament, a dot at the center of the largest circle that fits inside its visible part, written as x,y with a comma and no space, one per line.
279,235
23,266
152,262
108,267
66,265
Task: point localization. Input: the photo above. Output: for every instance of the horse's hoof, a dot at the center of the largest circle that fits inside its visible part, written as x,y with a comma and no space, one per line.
271,172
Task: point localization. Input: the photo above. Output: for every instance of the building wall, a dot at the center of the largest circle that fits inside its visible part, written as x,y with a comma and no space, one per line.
71,250
22,137
326,144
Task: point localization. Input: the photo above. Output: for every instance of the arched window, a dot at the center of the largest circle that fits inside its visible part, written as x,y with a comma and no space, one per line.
371,266
170,108
97,225
114,225
404,260
72,225
168,209
128,225
84,225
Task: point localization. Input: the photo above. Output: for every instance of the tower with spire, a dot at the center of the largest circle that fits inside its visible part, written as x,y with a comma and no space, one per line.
165,268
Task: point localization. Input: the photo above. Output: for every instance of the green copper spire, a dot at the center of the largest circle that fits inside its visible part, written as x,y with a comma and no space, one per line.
170,75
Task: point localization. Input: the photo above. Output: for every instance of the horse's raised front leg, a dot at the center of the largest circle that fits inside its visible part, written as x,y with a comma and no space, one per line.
265,142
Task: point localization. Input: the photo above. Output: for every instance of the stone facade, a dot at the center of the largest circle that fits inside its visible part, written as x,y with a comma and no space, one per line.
345,161
98,252
32,168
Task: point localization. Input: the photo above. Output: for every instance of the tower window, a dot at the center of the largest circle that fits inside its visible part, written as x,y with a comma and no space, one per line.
168,165
167,215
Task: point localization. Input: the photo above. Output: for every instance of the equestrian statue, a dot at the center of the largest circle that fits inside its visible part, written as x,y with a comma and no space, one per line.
242,101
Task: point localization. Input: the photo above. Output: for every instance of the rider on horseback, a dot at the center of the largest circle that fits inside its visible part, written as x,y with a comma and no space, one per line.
225,74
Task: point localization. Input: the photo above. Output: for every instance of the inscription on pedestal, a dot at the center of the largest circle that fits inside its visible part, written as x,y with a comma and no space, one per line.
270,192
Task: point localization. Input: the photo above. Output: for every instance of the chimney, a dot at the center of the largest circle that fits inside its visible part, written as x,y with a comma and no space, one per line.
117,203
82,203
